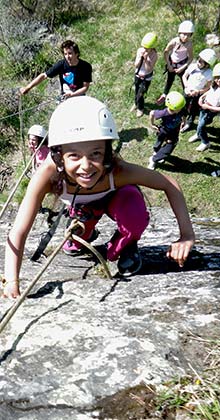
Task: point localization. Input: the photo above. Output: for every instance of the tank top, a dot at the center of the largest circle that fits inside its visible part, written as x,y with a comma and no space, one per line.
67,198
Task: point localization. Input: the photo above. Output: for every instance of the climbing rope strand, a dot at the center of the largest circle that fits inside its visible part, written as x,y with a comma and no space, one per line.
26,110
68,234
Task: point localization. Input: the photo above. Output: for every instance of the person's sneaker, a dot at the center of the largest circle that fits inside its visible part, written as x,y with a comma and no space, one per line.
161,161
130,261
133,108
193,138
151,164
202,147
185,128
216,173
71,248
139,113
161,99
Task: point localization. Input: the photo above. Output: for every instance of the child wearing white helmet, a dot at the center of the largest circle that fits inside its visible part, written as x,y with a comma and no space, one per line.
88,176
145,61
178,54
168,131
36,134
209,104
197,79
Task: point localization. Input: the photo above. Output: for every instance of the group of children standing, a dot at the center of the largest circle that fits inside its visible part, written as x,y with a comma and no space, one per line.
200,90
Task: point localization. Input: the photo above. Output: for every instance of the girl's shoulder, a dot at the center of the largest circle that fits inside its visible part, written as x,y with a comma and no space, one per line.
174,41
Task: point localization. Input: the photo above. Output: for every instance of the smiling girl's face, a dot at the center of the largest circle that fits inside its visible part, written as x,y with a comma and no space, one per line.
84,161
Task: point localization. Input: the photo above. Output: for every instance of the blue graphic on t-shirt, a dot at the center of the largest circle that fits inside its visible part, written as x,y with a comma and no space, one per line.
69,78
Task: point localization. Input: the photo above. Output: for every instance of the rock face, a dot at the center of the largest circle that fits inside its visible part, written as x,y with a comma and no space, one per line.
79,337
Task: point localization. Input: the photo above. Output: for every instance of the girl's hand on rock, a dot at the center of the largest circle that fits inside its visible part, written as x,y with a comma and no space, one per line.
179,251
10,289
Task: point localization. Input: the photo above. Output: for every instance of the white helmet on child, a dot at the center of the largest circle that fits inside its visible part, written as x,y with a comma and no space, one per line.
209,56
37,130
216,70
186,27
82,118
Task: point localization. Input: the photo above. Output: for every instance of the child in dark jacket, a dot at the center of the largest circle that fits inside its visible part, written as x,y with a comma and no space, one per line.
168,130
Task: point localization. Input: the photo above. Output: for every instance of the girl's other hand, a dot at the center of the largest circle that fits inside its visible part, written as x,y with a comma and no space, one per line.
179,251
10,289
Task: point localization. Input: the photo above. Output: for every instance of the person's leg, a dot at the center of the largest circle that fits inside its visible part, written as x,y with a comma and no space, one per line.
128,209
143,88
169,82
205,118
90,217
164,151
137,84
161,137
168,85
194,110
187,113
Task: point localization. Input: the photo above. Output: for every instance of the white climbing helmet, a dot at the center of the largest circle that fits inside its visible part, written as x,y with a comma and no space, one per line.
209,56
37,130
82,118
186,27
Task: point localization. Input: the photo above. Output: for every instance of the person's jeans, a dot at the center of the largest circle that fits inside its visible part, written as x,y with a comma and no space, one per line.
205,118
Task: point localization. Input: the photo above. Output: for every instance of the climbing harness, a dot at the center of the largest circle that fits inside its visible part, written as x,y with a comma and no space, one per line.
45,238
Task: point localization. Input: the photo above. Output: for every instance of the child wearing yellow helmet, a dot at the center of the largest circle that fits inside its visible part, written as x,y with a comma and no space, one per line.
209,104
178,54
168,131
145,61
84,171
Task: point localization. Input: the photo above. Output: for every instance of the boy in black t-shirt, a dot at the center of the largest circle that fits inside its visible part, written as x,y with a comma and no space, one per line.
74,73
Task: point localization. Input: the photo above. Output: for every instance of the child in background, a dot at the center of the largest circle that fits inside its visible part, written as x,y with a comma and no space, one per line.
83,170
168,131
178,54
197,79
35,136
210,104
146,58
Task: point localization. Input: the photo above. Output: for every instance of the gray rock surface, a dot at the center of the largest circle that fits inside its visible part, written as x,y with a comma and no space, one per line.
80,337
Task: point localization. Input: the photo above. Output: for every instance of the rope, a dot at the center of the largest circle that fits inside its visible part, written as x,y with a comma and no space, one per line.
26,110
74,225
19,180
21,130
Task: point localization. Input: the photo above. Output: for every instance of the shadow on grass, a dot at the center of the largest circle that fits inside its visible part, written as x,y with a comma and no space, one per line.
175,163
125,136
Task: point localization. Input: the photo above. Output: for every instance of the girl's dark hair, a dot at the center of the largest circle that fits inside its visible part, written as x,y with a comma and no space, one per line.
108,157
214,85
